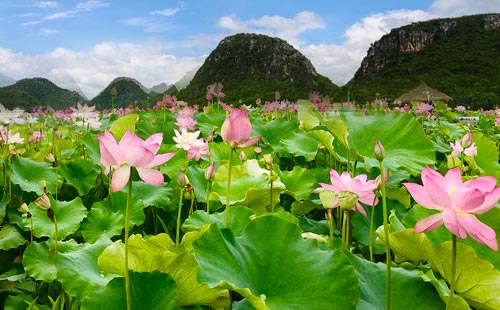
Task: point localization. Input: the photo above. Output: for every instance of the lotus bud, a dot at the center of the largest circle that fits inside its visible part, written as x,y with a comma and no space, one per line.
182,179
50,157
210,172
327,198
379,150
43,202
347,200
268,161
243,156
23,208
466,140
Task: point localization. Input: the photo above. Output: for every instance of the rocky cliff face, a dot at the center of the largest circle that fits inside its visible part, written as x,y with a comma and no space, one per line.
390,49
253,65
457,56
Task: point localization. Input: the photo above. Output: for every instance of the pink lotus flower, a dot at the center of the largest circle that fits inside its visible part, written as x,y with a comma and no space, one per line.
237,128
458,202
358,185
132,151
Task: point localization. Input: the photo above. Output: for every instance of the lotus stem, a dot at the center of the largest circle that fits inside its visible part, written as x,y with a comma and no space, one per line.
330,224
386,233
453,270
179,212
229,186
127,220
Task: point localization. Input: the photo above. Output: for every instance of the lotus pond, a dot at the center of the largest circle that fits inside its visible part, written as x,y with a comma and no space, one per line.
279,206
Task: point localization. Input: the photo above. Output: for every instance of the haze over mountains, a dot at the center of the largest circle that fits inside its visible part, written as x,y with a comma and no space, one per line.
458,56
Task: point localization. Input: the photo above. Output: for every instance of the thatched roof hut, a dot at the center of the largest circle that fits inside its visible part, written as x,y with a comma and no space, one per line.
424,93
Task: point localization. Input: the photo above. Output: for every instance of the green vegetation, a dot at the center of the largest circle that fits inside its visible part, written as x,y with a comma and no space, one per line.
254,66
37,92
127,92
462,62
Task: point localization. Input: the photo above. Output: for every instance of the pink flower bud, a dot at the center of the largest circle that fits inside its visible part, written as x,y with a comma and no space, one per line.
379,150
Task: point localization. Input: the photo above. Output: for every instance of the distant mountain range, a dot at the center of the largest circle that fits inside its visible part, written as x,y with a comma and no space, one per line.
37,92
252,66
457,56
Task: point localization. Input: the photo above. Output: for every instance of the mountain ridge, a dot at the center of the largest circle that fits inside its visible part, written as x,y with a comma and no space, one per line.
458,56
252,66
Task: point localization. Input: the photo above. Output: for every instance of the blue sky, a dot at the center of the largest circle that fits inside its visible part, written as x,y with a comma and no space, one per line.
85,44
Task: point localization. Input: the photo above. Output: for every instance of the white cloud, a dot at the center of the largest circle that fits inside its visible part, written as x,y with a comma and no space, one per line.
339,62
92,70
91,5
58,15
289,29
449,8
80,7
143,22
47,4
47,31
165,12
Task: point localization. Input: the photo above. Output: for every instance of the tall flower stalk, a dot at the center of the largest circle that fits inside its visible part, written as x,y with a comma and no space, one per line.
120,157
347,192
379,153
236,131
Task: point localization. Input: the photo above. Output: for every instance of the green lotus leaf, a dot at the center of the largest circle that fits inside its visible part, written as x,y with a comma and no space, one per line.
443,290
239,218
29,174
338,128
120,126
151,195
100,221
196,176
274,131
408,290
159,253
300,144
306,114
325,138
11,238
68,215
107,218
407,148
80,174
441,234
249,186
487,156
23,301
91,147
477,280
210,121
4,202
74,265
153,291
273,267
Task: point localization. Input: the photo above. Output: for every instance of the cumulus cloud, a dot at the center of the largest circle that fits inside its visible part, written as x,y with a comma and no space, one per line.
92,70
450,8
289,29
339,62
